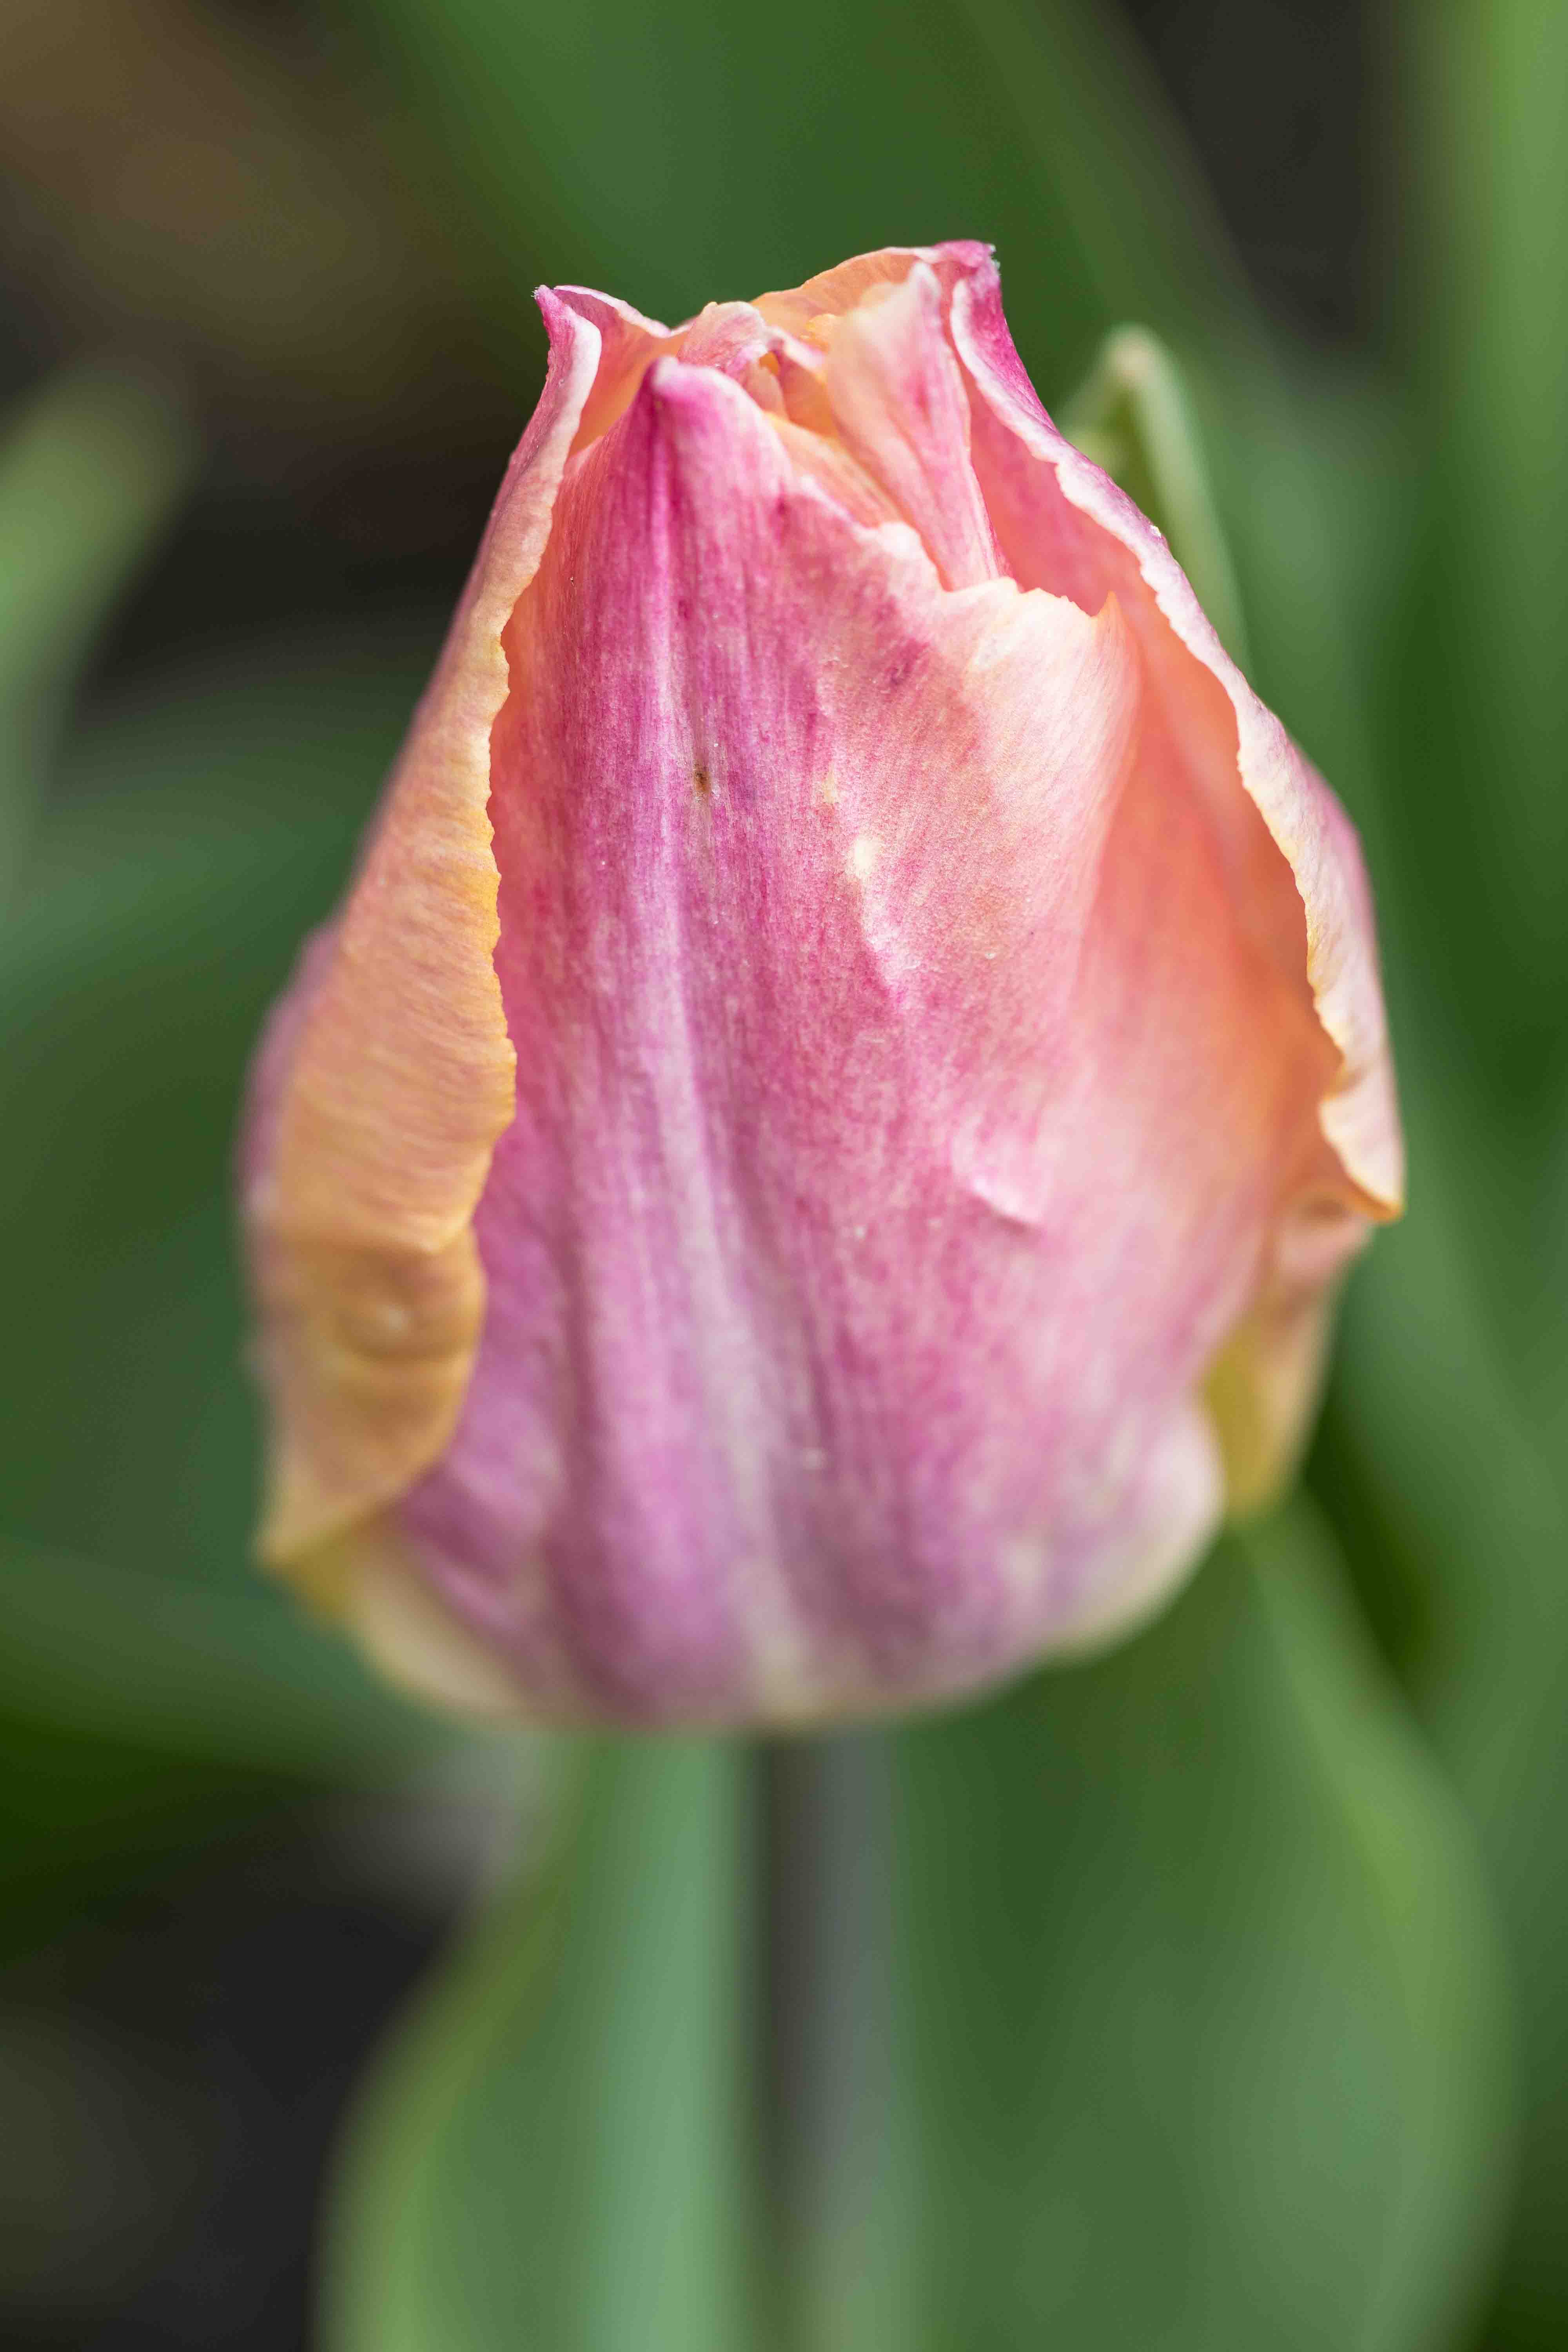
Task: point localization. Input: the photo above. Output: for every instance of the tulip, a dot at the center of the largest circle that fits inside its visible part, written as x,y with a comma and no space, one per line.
820,1144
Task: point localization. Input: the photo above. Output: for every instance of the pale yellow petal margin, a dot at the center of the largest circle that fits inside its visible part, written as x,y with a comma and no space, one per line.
367,1582
400,1077
1263,1387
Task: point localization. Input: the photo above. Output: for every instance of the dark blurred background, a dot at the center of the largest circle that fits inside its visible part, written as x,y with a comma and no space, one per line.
239,193
291,245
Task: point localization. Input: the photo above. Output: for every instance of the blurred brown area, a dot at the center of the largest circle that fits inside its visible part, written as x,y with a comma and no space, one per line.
233,192
233,195
1295,176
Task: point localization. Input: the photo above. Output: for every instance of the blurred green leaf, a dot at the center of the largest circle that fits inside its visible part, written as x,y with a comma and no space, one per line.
554,2151
233,1678
1484,95
1133,416
194,842
1441,1468
1195,2034
88,473
1189,1943
153,1689
1442,1454
141,1718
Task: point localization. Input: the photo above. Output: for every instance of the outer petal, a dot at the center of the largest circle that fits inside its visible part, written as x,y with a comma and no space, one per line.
1037,483
388,1076
1059,520
901,1117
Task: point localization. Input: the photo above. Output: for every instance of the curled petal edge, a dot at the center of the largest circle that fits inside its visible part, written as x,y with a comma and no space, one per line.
1360,1115
389,1074
1264,1383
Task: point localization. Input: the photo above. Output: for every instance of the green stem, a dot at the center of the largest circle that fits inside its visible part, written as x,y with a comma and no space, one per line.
828,1943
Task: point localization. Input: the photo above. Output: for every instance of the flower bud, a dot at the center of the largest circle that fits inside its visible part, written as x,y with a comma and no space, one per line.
834,1107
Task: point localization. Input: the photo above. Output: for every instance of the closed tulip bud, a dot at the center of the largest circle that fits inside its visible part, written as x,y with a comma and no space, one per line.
828,1121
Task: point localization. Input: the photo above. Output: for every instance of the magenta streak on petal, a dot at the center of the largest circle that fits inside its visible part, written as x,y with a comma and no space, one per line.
900,1109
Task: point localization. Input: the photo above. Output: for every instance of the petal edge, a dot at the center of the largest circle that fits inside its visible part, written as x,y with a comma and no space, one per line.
372,1134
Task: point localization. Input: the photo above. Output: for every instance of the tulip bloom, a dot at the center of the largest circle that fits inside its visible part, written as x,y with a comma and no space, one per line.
825,1127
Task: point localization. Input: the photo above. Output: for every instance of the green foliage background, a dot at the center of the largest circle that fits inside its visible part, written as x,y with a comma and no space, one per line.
1212,1995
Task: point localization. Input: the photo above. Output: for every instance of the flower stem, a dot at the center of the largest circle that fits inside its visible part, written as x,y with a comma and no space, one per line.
826,2021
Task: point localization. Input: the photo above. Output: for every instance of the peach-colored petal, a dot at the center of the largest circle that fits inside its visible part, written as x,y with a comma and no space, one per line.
628,345
390,1084
834,293
1296,875
819,459
1031,474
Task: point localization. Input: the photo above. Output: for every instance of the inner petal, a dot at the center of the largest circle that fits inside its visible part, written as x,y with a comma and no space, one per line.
900,409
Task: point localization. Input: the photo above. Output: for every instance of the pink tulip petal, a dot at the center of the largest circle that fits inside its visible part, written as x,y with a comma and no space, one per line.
900,1111
1065,523
1298,875
949,1072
